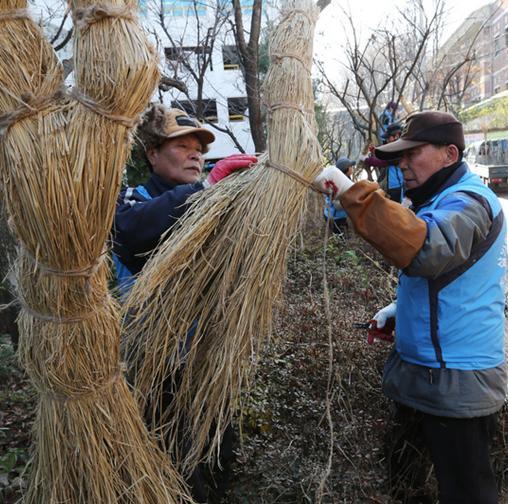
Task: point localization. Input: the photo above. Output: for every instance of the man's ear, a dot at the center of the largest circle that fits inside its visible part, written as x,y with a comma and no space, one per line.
152,154
452,154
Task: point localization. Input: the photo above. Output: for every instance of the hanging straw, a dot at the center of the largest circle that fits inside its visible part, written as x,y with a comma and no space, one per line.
225,263
61,160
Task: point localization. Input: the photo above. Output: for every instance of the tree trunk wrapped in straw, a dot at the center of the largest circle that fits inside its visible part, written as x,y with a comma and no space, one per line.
61,159
224,264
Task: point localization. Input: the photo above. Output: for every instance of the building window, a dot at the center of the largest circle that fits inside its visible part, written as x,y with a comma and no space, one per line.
230,57
237,108
497,44
183,7
183,53
191,107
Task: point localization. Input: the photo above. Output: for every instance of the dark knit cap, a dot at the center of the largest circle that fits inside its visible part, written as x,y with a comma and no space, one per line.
429,127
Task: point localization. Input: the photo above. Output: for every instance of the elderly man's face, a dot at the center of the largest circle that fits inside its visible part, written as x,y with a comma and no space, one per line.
178,160
420,163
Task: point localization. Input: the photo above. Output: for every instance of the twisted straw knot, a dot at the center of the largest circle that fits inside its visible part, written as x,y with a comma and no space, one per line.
91,391
278,57
12,14
30,105
98,108
86,16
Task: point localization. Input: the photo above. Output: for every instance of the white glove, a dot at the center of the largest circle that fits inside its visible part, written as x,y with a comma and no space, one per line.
362,157
332,181
384,314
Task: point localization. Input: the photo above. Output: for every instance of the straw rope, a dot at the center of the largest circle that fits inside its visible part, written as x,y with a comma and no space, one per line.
96,107
286,105
84,17
11,14
86,271
99,387
278,57
52,318
31,105
294,175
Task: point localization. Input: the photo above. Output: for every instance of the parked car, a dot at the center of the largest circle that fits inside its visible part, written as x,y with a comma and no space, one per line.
489,160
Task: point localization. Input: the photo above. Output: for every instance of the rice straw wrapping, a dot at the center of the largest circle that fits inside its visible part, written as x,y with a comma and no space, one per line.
61,162
225,263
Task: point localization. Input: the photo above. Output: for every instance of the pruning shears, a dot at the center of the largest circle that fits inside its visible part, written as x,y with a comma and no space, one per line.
384,333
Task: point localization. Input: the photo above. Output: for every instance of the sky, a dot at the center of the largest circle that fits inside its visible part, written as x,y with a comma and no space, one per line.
330,32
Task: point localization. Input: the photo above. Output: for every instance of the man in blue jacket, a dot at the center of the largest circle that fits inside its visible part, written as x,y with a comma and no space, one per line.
174,147
394,178
448,366
336,215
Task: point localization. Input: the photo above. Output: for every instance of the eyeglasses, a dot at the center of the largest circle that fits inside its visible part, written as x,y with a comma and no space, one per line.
184,120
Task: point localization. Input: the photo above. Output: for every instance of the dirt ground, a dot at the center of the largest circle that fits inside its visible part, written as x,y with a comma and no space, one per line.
315,426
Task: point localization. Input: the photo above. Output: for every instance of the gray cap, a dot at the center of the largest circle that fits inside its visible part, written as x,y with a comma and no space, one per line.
343,164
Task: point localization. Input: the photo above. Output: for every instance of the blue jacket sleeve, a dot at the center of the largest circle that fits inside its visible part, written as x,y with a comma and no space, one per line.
453,229
140,223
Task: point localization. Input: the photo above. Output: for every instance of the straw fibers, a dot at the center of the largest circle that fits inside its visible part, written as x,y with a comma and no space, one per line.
61,160
224,264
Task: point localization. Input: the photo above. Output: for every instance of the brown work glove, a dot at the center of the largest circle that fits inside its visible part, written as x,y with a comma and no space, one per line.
389,227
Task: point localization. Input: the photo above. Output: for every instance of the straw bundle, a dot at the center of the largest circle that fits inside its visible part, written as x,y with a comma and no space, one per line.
61,159
225,263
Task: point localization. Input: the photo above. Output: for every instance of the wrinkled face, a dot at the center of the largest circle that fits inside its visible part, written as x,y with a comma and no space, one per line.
178,160
420,163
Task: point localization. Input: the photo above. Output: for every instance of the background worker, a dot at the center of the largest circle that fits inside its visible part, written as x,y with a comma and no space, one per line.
336,215
448,364
390,175
174,146
387,117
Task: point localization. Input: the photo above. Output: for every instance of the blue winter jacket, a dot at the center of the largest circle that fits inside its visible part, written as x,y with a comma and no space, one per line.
332,212
457,319
143,215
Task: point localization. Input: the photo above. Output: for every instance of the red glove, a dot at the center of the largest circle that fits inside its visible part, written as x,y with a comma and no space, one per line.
385,333
228,165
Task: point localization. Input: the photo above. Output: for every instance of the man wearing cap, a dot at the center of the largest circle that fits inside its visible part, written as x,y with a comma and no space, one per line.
174,145
448,364
391,176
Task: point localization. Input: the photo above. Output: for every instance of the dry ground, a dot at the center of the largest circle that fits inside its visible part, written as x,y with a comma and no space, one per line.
285,433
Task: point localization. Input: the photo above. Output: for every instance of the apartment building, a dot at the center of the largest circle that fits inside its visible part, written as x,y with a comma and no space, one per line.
483,39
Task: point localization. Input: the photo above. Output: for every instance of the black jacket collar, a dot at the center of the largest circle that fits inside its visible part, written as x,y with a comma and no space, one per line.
421,196
157,186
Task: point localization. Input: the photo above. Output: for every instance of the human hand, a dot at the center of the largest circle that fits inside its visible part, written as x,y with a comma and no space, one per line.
384,314
332,181
382,325
228,165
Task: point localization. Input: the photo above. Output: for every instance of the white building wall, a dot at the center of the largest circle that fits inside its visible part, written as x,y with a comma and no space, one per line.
220,84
